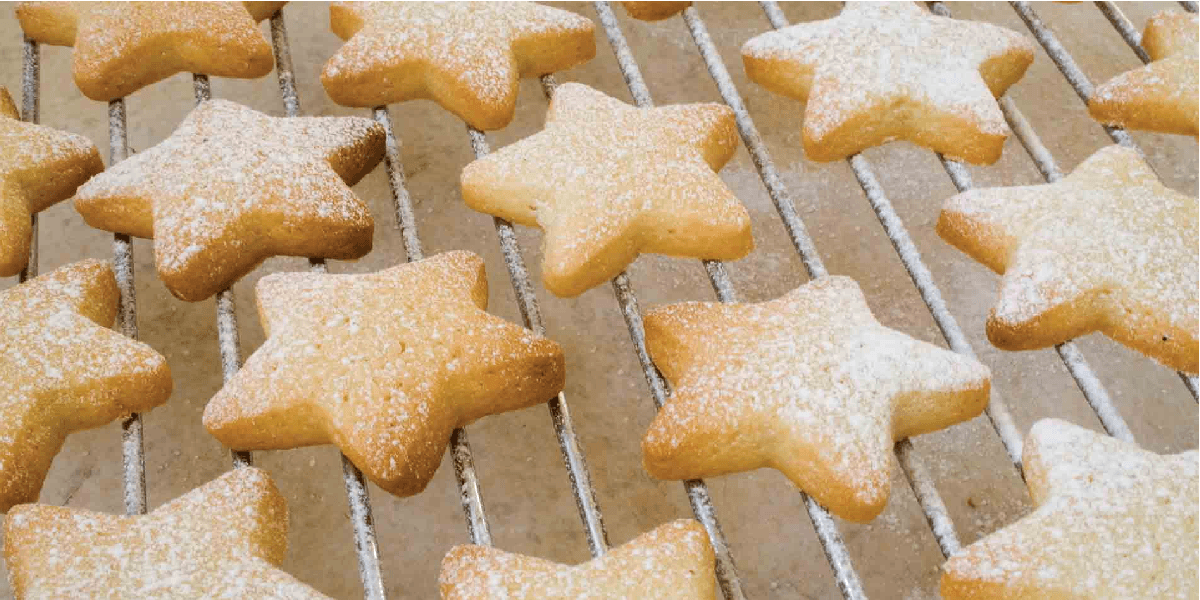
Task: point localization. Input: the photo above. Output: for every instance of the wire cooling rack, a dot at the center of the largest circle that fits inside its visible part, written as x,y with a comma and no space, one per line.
917,474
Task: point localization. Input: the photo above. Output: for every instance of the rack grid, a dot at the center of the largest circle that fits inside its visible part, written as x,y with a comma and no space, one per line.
921,482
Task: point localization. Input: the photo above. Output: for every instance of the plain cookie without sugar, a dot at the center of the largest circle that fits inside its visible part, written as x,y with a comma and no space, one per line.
467,56
885,71
673,562
606,181
121,47
809,384
384,365
1112,522
1107,248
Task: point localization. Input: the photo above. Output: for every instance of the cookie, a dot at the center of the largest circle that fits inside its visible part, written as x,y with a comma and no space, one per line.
1107,248
62,370
384,365
885,71
1112,522
654,11
466,56
1161,96
809,384
39,167
224,539
606,181
232,187
122,47
674,561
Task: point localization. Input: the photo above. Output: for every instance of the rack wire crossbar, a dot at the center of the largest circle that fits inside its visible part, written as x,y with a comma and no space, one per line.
133,458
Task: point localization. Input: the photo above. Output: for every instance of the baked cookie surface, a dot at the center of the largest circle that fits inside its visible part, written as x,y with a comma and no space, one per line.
654,11
809,384
121,47
1107,248
1112,522
606,181
884,71
1163,95
224,539
467,56
674,561
39,167
384,365
63,370
232,187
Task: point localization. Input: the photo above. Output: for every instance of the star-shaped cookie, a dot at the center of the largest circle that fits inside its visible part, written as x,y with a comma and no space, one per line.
1161,96
384,365
606,181
1108,248
63,370
809,384
122,47
224,539
1112,522
39,167
232,187
466,56
674,561
654,11
885,71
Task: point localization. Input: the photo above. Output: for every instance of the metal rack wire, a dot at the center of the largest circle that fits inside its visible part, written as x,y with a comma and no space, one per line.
1083,86
917,474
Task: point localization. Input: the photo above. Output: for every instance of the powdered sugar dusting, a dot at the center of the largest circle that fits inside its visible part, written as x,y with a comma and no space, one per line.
232,180
63,370
481,48
121,47
1112,522
673,561
606,180
221,540
1109,231
1162,95
812,383
384,365
890,56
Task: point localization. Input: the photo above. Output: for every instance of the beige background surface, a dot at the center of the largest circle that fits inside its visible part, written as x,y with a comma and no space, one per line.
524,483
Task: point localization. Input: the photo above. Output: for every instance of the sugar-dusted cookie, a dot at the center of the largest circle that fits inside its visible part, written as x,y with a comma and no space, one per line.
467,56
674,561
122,47
607,181
1161,96
224,539
654,11
809,384
232,187
885,71
384,365
39,167
1112,522
63,370
1108,248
